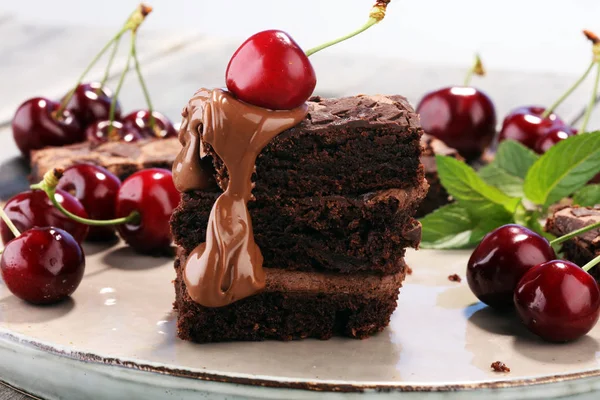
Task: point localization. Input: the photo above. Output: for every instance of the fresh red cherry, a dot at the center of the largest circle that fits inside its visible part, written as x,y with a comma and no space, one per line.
553,135
96,188
558,301
270,70
501,259
150,192
91,103
462,117
526,125
43,265
37,124
140,121
104,131
33,209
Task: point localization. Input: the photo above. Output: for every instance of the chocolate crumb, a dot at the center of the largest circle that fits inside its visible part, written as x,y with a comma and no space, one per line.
454,278
499,366
408,270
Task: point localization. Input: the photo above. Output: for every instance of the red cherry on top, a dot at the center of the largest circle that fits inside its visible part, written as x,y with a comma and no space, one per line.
553,135
36,125
140,121
558,301
526,125
96,188
91,102
270,70
33,209
501,259
104,131
43,265
152,193
462,117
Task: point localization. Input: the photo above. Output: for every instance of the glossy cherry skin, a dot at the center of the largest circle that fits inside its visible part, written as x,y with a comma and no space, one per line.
43,265
91,103
526,125
104,131
152,193
96,188
558,301
501,259
36,125
140,121
553,135
462,117
33,209
270,70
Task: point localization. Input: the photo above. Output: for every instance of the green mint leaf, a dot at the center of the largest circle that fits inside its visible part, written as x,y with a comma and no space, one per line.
507,171
531,219
452,227
479,198
564,169
588,196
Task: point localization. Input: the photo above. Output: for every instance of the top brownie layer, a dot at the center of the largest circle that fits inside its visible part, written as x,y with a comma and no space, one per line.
350,145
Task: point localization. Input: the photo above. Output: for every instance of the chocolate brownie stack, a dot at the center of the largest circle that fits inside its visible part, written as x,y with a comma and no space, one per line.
582,248
334,199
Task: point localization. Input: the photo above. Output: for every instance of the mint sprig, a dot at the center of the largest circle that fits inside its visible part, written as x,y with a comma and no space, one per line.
517,187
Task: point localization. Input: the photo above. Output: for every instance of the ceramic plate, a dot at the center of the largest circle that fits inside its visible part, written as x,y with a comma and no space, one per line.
116,339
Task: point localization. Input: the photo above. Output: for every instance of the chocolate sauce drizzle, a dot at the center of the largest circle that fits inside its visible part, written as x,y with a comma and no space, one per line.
228,266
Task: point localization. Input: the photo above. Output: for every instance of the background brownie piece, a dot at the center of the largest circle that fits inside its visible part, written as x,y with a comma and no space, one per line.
345,234
350,145
120,158
294,305
437,195
583,248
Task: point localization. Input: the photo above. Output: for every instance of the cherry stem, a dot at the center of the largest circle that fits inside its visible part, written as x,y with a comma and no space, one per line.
562,98
110,62
591,264
376,15
141,78
48,185
592,103
575,233
476,69
9,223
113,103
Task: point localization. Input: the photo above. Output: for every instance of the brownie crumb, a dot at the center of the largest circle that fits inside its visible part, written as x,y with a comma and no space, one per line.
408,270
454,278
499,366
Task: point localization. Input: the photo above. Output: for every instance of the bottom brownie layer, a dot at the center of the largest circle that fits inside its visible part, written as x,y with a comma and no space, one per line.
294,305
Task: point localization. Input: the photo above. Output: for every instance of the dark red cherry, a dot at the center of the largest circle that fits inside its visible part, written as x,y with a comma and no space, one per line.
526,125
36,125
501,259
91,103
104,131
462,117
553,135
270,70
33,209
558,301
96,188
140,121
152,193
42,265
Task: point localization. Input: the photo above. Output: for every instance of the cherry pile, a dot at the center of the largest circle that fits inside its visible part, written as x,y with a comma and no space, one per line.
464,117
90,111
515,267
45,263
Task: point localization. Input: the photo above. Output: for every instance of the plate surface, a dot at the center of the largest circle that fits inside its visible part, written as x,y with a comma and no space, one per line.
440,339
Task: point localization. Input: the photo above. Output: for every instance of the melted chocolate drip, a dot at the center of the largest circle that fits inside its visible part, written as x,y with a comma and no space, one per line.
228,266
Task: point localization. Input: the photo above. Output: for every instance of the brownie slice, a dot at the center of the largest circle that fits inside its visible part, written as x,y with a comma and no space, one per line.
437,195
349,145
340,233
120,158
582,248
294,305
